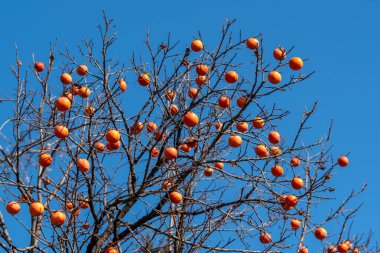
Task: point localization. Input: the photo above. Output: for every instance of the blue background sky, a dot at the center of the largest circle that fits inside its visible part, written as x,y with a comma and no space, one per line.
341,39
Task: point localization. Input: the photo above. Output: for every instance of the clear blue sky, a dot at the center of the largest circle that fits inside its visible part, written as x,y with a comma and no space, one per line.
341,39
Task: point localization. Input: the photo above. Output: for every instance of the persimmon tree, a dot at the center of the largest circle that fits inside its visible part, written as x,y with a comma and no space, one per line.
197,165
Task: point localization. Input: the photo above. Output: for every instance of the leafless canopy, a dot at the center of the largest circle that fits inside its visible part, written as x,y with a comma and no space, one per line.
127,189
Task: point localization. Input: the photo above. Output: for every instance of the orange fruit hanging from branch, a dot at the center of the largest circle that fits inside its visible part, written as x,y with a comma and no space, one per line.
274,77
113,136
82,70
295,63
235,141
36,209
66,78
144,79
279,53
170,153
45,160
252,43
224,102
190,119
58,218
13,207
63,104
83,165
231,77
201,70
61,131
196,45
39,66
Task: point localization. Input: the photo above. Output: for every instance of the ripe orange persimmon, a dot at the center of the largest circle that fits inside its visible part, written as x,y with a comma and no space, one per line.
279,53
258,122
331,249
297,183
303,250
242,126
69,206
89,111
224,102
84,204
99,147
137,128
320,233
169,95
235,141
77,212
185,148
295,224
208,172
175,197
61,131
275,151
295,162
36,209
252,43
83,165
143,79
84,92
261,151
158,136
113,136
231,77
274,77
151,127
201,70
218,125
219,165
113,145
274,137
343,161
196,45
277,171
66,78
62,104
349,244
193,93
74,89
39,66
69,95
122,84
200,80
111,249
265,238
295,63
170,153
154,152
241,101
45,160
342,248
58,218
13,207
286,207
190,119
173,109
166,185
291,200
82,70
191,142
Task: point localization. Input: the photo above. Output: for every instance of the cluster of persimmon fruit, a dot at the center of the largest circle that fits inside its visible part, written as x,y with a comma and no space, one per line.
190,120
